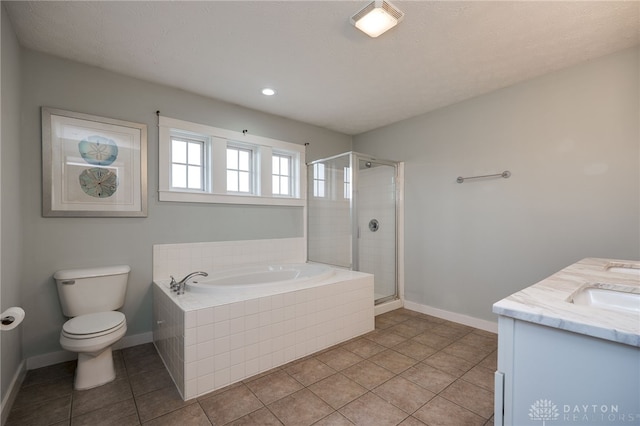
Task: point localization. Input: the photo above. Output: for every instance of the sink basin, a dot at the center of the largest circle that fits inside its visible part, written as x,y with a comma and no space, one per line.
630,269
625,270
609,296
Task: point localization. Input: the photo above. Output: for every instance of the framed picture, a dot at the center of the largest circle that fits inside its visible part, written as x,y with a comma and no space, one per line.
92,166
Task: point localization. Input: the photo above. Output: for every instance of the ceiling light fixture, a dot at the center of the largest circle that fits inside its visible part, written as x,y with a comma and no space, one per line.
377,17
268,92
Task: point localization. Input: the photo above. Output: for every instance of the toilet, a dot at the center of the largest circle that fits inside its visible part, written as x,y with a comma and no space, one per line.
91,297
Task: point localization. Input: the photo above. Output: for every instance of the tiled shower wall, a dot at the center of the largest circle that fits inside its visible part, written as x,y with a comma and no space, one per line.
330,231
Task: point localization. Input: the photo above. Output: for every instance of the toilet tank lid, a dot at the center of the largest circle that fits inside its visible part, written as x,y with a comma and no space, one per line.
70,274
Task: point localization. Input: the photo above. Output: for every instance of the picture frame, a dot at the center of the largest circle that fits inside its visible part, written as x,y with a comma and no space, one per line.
92,166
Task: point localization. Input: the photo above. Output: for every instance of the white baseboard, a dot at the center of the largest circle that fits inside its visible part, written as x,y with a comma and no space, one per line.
485,325
51,358
12,392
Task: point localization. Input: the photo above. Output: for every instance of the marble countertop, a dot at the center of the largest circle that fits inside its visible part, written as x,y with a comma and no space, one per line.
549,301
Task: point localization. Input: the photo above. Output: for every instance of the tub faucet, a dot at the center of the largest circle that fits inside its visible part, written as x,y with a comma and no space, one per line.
179,286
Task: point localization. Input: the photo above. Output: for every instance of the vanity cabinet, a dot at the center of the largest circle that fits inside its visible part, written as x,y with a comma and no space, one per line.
566,363
549,376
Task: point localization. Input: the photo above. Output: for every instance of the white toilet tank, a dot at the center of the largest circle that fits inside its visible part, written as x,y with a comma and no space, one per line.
90,290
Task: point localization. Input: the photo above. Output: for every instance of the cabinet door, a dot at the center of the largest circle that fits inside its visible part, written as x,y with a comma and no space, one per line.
568,378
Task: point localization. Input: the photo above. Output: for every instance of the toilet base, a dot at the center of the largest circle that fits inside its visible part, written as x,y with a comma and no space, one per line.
94,370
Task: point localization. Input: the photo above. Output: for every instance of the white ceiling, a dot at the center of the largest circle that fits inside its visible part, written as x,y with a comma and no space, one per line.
325,71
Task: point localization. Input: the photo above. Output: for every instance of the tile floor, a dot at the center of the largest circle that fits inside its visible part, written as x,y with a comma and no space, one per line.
414,369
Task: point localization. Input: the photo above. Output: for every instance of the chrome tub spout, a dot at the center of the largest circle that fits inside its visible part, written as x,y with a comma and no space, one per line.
179,286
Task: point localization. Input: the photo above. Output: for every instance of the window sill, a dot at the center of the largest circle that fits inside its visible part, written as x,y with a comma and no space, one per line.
194,197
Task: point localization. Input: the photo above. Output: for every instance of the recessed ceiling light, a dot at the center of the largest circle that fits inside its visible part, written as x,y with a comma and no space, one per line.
268,91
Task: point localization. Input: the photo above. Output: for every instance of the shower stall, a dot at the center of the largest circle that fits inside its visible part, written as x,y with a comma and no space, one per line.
353,217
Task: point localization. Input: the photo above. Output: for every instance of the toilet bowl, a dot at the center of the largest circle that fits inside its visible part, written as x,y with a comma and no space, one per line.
90,297
92,336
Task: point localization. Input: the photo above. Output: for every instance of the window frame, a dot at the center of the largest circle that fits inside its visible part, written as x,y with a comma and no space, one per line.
292,189
205,161
215,172
252,172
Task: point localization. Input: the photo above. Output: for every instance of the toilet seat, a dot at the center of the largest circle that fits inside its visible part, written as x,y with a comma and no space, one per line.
93,325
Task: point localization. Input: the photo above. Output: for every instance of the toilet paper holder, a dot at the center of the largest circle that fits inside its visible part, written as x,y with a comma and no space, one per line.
11,318
7,320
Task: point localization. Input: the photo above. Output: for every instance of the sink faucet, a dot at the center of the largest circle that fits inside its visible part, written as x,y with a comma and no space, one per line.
179,286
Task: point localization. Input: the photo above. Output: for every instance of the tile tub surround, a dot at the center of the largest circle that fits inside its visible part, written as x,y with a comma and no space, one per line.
210,341
181,259
546,302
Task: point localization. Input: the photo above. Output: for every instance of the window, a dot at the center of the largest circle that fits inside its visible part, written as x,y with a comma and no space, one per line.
199,163
187,163
239,170
319,180
281,174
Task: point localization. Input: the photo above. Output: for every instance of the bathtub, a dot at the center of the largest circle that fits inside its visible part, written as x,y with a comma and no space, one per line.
262,276
237,323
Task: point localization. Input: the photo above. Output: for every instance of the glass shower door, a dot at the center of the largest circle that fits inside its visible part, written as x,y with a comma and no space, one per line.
375,223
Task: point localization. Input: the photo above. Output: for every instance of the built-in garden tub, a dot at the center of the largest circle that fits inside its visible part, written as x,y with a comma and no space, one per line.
239,322
259,280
